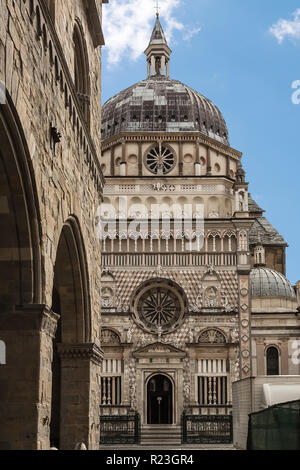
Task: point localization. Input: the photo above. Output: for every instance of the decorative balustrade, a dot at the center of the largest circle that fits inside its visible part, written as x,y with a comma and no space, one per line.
207,429
120,429
192,259
111,390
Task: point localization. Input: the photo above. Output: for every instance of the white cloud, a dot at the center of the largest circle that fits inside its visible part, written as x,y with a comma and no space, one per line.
287,28
190,33
128,25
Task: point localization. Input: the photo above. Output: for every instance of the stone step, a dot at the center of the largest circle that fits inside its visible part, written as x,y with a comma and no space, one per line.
161,435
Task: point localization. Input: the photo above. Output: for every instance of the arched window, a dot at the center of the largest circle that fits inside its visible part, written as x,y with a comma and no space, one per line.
81,71
272,361
109,336
212,336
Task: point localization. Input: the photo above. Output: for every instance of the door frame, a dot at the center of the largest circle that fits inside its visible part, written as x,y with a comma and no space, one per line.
146,382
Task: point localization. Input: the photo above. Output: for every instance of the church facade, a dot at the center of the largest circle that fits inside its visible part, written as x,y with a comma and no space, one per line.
189,294
194,293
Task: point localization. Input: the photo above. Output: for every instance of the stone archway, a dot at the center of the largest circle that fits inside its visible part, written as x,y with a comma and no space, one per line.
74,357
20,261
25,325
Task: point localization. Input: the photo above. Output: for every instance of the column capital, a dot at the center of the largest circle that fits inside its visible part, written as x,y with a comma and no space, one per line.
30,317
81,351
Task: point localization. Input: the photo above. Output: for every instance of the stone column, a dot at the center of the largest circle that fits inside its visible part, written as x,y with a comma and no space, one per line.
153,65
80,395
208,162
237,208
140,162
180,159
112,161
197,164
163,65
123,162
227,166
26,379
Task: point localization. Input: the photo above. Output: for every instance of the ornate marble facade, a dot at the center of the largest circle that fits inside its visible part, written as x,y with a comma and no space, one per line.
177,302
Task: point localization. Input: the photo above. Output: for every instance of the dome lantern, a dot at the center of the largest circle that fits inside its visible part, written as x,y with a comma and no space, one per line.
158,52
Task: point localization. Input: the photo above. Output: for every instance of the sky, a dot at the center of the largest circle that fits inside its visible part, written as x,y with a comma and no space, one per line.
245,57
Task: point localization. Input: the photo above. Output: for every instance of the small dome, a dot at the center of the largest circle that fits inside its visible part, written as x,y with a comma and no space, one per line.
269,283
160,104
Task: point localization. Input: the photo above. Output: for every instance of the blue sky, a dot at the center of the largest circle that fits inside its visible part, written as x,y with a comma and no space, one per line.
233,59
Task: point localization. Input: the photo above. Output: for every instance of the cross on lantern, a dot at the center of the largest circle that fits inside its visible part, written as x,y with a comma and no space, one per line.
157,8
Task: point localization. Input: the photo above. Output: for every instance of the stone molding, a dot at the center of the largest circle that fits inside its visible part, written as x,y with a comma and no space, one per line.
196,138
31,317
159,349
88,351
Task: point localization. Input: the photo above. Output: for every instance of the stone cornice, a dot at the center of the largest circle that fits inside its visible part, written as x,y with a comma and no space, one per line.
195,137
94,16
88,351
159,349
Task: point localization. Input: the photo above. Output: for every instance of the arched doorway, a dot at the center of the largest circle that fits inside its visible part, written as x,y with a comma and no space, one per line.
70,366
160,400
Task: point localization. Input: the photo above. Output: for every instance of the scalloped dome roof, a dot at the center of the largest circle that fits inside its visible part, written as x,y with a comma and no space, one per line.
267,282
160,104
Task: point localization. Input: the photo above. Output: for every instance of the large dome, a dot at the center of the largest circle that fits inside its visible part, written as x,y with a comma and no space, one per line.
160,104
269,283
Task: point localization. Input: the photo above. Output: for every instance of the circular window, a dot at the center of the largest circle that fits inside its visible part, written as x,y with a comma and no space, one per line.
160,160
159,307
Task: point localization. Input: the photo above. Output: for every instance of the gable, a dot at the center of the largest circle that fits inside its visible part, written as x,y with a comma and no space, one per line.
159,349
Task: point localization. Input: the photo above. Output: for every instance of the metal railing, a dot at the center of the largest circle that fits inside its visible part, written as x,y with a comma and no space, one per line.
120,429
207,429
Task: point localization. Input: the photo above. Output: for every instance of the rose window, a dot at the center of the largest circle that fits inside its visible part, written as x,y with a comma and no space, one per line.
159,308
160,160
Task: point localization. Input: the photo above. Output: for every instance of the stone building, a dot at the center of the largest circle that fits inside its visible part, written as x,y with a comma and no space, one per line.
50,187
186,309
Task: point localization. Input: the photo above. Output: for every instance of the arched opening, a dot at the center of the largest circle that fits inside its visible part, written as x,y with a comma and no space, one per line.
159,400
19,231
70,300
81,71
213,207
20,286
272,361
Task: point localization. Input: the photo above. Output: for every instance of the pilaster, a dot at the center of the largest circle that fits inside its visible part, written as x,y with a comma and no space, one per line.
26,379
80,395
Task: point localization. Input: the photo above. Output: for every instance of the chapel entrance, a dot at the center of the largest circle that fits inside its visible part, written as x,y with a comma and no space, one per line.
160,400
